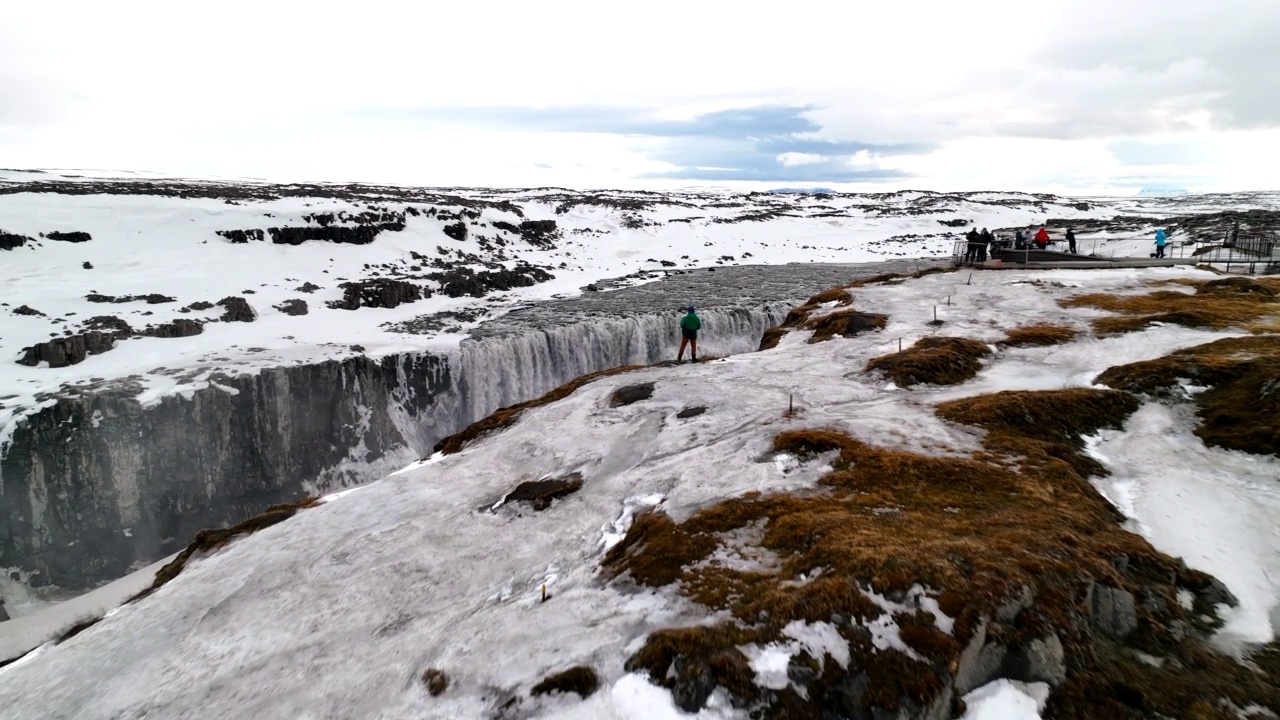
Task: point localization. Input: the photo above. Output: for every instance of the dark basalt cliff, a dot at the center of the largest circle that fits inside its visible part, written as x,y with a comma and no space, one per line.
96,484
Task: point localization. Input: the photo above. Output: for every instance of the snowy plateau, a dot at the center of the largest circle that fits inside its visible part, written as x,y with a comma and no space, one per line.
460,476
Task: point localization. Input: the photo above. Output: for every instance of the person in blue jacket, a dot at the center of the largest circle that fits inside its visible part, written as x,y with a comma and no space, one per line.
690,324
1161,241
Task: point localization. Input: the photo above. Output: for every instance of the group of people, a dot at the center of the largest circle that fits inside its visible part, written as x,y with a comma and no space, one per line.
979,241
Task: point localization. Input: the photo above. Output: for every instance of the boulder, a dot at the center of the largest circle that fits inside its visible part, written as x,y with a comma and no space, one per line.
691,412
692,684
307,287
26,310
109,323
378,292
175,329
10,241
71,237
69,350
457,231
1041,660
1215,594
540,493
1112,611
979,662
293,306
87,265
237,310
629,394
436,681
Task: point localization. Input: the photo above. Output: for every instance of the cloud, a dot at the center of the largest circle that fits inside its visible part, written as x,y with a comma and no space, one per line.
770,143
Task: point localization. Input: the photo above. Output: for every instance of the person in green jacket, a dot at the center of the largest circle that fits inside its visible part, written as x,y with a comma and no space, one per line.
690,324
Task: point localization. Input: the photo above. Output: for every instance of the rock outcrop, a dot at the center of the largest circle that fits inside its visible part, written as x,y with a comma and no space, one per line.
379,292
96,483
69,350
237,310
71,237
293,306
11,241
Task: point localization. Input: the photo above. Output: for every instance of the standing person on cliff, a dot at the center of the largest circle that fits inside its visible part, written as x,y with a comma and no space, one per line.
1161,241
1042,238
690,324
1071,241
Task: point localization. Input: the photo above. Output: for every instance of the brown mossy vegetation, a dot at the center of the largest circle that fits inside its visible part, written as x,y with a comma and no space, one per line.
975,532
207,541
507,416
845,323
1039,335
1240,410
581,680
1216,304
935,360
436,681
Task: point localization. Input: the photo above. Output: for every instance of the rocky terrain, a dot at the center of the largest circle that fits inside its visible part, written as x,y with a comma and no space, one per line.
228,313
894,510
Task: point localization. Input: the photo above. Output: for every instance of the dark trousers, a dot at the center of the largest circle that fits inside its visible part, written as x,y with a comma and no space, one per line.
1159,251
1071,246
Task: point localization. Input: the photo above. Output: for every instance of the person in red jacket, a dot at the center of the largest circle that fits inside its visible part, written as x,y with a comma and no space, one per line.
1042,238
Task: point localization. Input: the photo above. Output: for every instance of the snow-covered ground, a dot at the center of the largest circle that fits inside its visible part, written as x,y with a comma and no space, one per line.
154,236
337,612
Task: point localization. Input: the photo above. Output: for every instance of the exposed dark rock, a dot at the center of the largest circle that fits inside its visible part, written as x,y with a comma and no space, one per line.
10,241
693,683
242,236
1007,613
307,287
109,323
152,299
208,460
293,306
465,281
629,394
237,310
980,662
1215,593
69,350
581,680
27,310
4,615
436,681
176,329
378,292
1040,660
457,231
1112,611
540,493
539,232
691,412
72,237
87,265
198,305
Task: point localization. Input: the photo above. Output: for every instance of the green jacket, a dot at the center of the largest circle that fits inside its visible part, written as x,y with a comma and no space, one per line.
691,322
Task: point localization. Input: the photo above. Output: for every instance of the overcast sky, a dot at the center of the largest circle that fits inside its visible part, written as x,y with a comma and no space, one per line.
1074,96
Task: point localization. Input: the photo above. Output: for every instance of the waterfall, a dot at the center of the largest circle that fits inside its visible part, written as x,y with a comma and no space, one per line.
495,372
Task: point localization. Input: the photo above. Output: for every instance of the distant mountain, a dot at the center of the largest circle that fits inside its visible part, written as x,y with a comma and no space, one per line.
1162,191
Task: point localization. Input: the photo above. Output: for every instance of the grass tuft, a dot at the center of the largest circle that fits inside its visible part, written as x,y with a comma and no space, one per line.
1041,335
581,680
1240,410
1216,304
845,323
933,360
